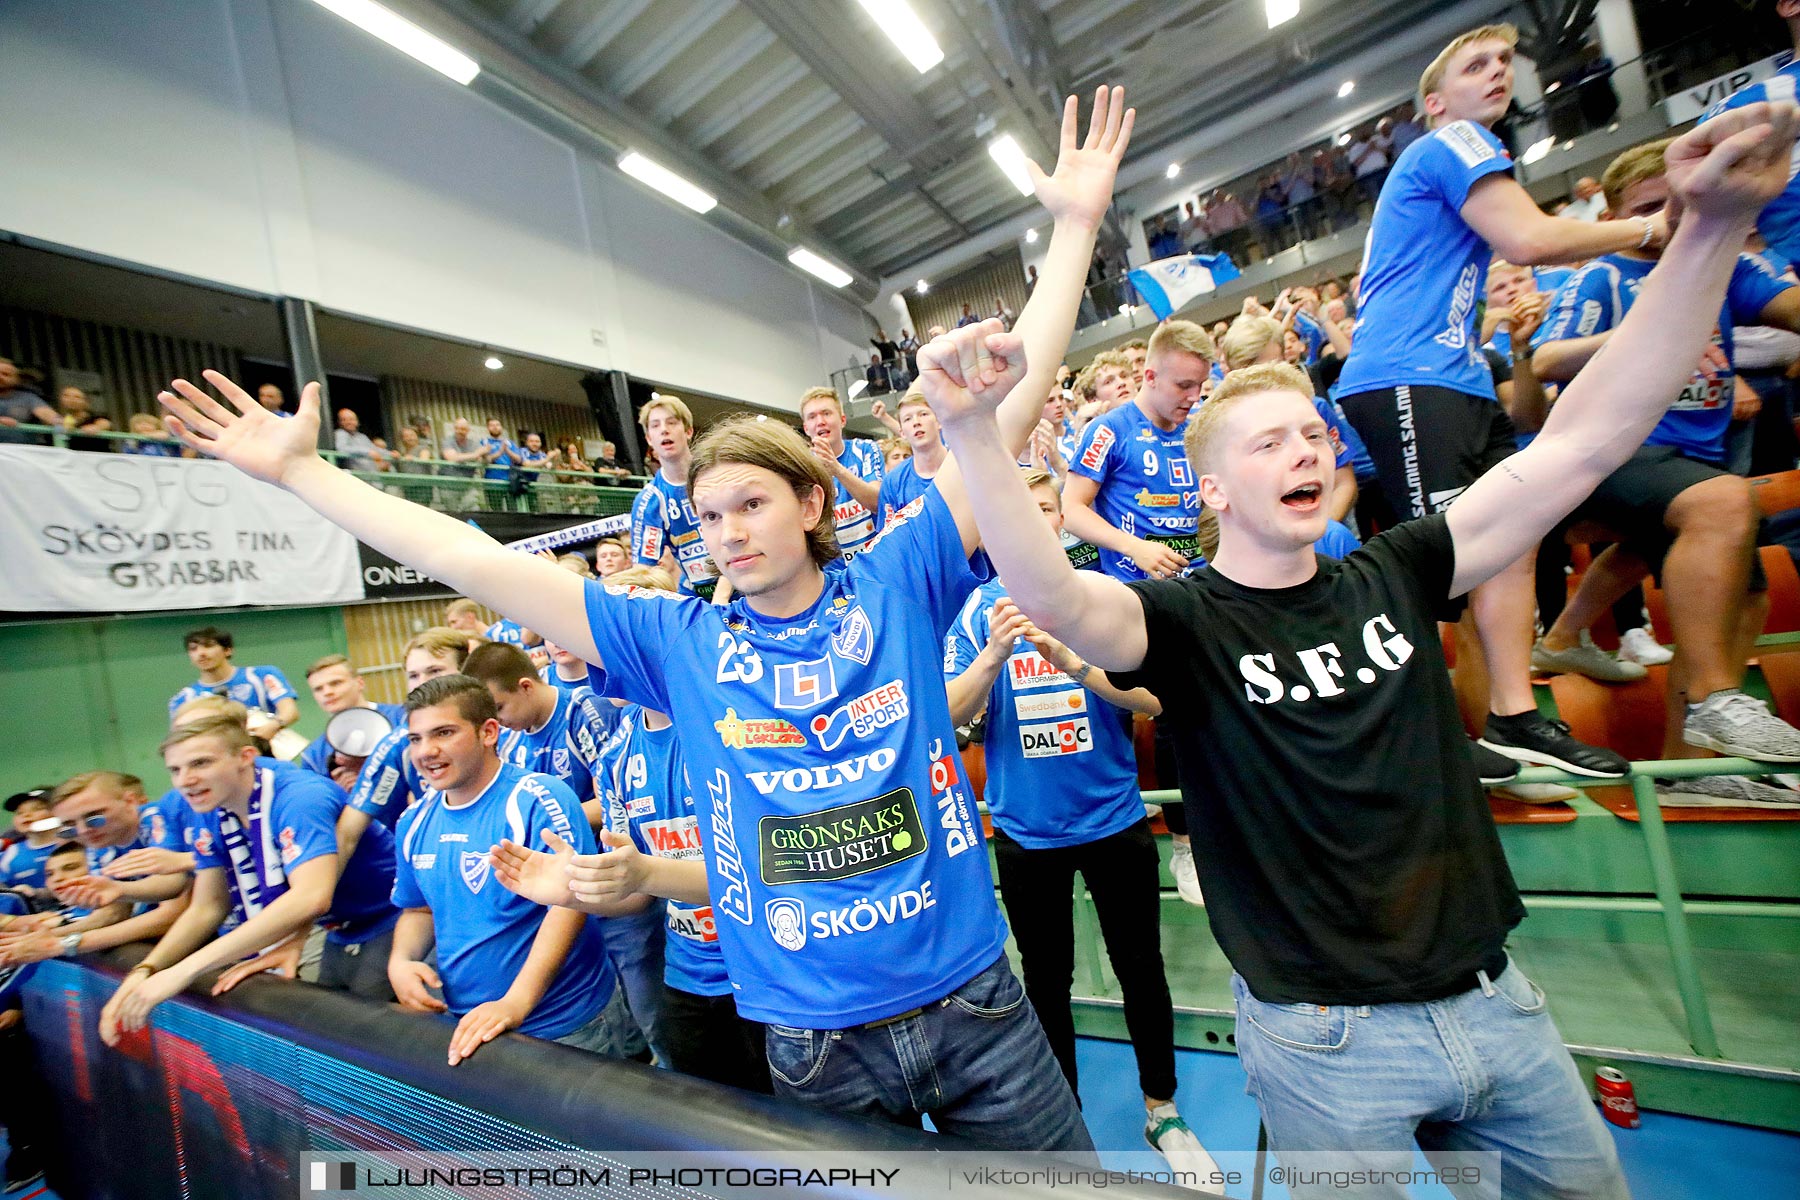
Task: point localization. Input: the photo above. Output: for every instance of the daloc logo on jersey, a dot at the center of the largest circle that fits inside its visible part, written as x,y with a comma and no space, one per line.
787,923
855,638
476,867
805,684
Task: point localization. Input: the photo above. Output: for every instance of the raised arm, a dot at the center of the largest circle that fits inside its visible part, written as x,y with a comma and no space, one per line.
285,453
964,376
1508,219
1723,173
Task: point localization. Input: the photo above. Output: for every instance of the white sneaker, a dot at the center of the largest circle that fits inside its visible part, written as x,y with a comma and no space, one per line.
1187,880
1169,1134
1636,645
1152,811
1536,793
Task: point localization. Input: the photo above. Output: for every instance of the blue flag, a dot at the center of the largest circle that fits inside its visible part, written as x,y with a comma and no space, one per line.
1169,283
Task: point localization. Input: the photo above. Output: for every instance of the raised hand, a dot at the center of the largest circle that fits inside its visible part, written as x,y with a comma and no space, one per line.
1006,625
967,372
149,860
542,878
1081,187
1734,164
251,438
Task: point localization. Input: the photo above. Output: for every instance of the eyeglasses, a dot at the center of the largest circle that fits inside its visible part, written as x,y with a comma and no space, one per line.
91,821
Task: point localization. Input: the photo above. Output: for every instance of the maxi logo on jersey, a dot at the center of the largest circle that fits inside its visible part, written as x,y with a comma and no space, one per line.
790,926
867,714
1032,670
802,685
1095,454
838,843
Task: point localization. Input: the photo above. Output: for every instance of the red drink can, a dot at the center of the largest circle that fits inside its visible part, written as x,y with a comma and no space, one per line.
1618,1102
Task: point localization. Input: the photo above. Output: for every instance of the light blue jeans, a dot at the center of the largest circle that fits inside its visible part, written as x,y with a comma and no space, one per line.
1484,1070
610,1032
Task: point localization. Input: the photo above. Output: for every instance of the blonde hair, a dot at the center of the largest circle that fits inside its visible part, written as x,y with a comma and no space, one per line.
218,706
643,577
1037,477
1204,426
459,606
1247,338
575,563
1206,533
894,445
820,393
115,783
144,423
1632,168
1433,77
234,736
674,404
438,641
775,447
1183,337
330,660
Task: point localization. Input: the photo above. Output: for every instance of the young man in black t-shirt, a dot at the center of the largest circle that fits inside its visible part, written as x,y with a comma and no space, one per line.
1356,881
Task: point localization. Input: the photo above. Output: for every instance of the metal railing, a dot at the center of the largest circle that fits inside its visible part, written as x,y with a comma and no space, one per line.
443,486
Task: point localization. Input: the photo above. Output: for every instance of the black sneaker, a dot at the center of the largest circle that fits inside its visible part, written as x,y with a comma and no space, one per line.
1491,767
22,1170
1531,738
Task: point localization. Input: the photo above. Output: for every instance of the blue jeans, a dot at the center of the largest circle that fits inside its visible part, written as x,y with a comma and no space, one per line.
635,946
609,1033
1484,1070
976,1061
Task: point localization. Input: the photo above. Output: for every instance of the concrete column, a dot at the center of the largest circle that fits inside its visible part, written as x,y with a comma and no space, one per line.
1616,25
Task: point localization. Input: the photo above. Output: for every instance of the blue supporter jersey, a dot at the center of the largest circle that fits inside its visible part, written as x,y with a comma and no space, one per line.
388,783
856,524
662,518
1361,465
1061,770
1780,220
532,463
1146,486
1424,269
22,864
649,800
549,675
291,819
509,633
99,856
899,488
170,823
1066,440
1600,295
1312,333
843,851
1549,280
567,745
499,467
317,755
484,932
256,688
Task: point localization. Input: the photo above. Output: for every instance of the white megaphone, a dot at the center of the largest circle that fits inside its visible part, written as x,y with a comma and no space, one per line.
356,732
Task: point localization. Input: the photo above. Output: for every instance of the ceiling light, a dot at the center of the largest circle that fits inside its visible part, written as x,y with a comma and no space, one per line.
1538,149
903,28
762,416
1006,153
811,263
667,182
492,363
405,37
1281,10
1124,310
1173,171
922,287
1346,87
858,388
1552,86
1030,239
1343,139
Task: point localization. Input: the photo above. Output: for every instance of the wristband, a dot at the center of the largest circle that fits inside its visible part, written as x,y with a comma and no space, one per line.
1080,674
71,945
1649,232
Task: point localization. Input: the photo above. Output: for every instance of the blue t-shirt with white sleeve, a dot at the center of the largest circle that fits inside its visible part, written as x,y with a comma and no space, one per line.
1146,487
647,794
388,783
259,689
1061,770
1424,269
22,864
567,745
1600,295
856,524
843,849
485,932
291,819
899,488
317,755
499,467
1780,220
663,518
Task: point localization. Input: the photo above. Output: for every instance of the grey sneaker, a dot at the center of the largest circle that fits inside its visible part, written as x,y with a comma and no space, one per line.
1733,723
1585,658
1724,791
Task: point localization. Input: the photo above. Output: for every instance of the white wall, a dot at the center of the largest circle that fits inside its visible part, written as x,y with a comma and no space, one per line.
267,145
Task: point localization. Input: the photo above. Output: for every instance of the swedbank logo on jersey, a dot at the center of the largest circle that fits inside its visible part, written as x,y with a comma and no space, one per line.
837,843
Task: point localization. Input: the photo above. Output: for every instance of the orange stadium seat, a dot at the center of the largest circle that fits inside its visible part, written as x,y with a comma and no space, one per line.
1776,493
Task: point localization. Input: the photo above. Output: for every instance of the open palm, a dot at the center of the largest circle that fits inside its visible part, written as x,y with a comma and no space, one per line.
1082,184
539,877
251,438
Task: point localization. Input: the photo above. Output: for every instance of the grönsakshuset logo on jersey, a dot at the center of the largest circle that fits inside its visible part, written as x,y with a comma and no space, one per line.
840,842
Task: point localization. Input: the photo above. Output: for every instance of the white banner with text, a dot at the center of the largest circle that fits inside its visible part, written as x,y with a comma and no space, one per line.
117,532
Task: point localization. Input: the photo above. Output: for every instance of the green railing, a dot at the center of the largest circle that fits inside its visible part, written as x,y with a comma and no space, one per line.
1675,909
442,486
